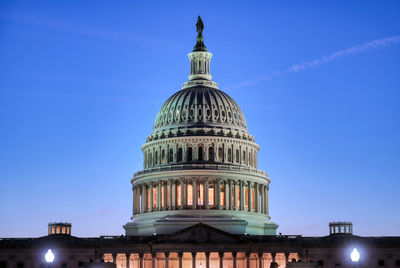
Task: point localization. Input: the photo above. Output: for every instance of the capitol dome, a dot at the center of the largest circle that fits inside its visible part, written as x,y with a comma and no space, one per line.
200,163
201,110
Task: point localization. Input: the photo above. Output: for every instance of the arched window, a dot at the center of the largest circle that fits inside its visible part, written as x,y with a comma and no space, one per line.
180,154
171,155
237,156
163,157
210,154
220,154
244,157
155,158
150,159
189,154
229,155
250,160
200,153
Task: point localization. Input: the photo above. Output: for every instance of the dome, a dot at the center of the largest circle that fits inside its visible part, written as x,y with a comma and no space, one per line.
200,163
200,107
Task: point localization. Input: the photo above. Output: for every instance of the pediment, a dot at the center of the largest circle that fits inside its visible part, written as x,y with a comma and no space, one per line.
200,233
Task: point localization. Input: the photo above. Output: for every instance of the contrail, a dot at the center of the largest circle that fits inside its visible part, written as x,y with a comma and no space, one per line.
305,65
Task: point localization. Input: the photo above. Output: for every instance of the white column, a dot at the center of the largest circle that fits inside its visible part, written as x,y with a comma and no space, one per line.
260,260
256,198
194,193
226,194
182,181
127,262
165,195
153,260
151,196
170,194
159,195
206,206
221,259
180,255
173,199
218,193
140,260
241,183
134,201
166,259
143,198
230,195
262,199
249,189
266,200
236,195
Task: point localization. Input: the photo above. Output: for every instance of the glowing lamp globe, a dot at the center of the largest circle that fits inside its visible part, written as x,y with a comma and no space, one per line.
355,255
49,256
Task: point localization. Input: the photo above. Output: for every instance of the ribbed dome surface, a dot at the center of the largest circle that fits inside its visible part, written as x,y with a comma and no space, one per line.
200,107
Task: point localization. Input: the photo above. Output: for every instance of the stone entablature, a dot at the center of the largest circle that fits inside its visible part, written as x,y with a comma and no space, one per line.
208,149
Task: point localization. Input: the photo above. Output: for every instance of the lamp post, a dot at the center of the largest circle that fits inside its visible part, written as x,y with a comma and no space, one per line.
355,256
49,257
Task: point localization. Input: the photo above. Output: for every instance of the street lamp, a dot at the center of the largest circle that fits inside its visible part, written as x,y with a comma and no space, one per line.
355,256
49,257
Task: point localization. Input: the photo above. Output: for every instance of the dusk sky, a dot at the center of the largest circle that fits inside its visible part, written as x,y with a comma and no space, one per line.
81,83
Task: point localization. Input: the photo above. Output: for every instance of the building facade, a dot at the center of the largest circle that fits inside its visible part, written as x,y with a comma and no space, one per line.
200,201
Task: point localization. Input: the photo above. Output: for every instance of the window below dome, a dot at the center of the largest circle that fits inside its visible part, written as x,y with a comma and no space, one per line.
210,154
237,156
189,156
229,155
180,154
171,155
163,157
220,154
200,153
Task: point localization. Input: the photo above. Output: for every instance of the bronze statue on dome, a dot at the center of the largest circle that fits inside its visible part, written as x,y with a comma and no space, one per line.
199,26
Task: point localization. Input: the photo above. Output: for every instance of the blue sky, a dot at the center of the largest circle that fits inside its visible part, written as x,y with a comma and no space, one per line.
81,83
